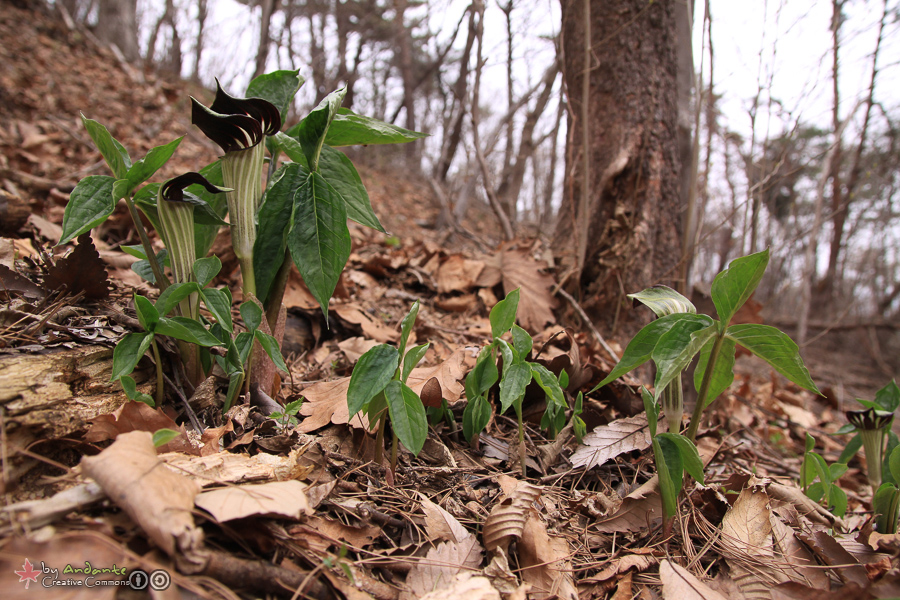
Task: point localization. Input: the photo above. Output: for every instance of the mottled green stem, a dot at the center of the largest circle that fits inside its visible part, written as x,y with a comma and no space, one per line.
691,432
162,282
160,389
242,171
673,404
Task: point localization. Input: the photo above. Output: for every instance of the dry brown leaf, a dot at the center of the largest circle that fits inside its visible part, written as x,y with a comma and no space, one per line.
518,269
137,416
297,295
456,303
440,524
638,562
639,510
679,584
80,271
281,498
747,538
372,328
798,556
448,374
228,467
545,561
355,347
157,499
624,589
831,552
465,586
500,574
338,532
13,282
797,591
458,274
609,441
442,564
326,402
507,519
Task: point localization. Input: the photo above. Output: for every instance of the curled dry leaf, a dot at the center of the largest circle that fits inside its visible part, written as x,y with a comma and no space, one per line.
279,498
608,441
679,584
137,416
507,519
440,524
517,269
157,499
639,510
747,542
80,271
442,564
801,561
371,328
449,373
468,586
545,561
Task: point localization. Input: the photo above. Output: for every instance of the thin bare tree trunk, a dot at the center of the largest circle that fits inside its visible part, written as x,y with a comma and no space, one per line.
202,13
268,8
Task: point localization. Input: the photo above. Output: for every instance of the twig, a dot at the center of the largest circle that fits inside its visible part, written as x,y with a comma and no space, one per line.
195,422
590,323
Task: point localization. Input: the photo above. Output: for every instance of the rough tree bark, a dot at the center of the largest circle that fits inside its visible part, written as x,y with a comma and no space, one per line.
627,227
117,24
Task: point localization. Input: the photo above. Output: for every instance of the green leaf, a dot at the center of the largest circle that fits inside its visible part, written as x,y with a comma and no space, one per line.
278,87
407,324
733,287
777,349
144,169
690,458
411,359
838,501
146,312
670,472
320,241
235,382
850,449
90,203
888,397
815,491
676,348
338,170
821,470
507,353
641,346
651,407
476,416
275,217
810,442
161,437
503,314
512,387
894,463
483,376
372,372
173,296
408,418
128,352
522,341
113,152
188,330
350,129
311,131
722,376
130,388
291,147
205,269
837,470
243,342
270,345
548,382
663,300
219,304
252,315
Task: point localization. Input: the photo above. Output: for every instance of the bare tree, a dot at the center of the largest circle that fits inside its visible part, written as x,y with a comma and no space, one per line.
117,21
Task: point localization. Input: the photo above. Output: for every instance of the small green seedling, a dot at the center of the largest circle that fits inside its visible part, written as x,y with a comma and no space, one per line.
287,417
825,489
378,388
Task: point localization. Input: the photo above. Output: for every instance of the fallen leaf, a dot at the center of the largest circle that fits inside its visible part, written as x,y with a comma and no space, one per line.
80,271
448,374
355,347
802,563
507,519
338,532
458,274
679,584
545,561
517,269
440,524
157,499
372,328
297,295
467,586
326,402
442,564
832,553
639,510
277,498
747,540
608,441
228,467
137,416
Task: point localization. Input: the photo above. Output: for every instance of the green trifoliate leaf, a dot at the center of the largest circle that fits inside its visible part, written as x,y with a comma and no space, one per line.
483,376
187,330
408,417
838,501
173,296
278,87
690,457
407,324
723,374
319,241
130,388
291,147
270,345
205,269
113,153
275,217
663,300
372,372
243,342
733,287
128,352
90,203
676,348
549,383
640,348
144,169
146,313
219,304
522,341
411,359
161,437
339,171
475,417
350,129
503,314
851,448
516,378
888,397
777,349
312,130
252,315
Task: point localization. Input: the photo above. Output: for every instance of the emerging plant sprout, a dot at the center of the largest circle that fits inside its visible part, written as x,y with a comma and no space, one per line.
872,425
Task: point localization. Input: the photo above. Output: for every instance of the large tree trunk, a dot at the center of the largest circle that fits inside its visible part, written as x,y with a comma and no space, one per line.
117,24
621,231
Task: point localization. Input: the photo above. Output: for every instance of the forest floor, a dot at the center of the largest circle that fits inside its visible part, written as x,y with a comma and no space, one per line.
252,507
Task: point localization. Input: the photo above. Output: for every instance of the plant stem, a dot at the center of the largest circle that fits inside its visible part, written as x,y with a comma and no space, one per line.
160,389
395,442
276,292
162,282
673,404
518,407
379,438
691,432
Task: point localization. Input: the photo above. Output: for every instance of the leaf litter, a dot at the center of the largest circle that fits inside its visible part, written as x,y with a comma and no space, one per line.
257,507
